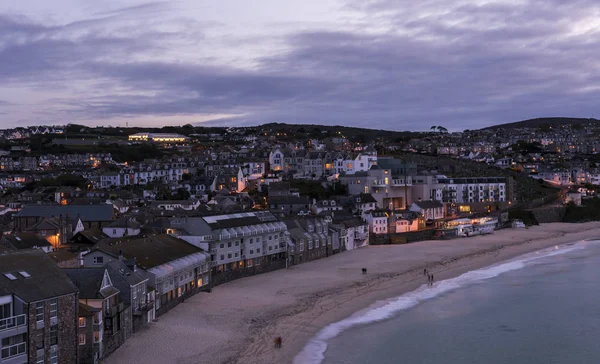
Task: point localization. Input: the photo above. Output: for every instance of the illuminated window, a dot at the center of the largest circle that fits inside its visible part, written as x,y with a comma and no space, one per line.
464,208
82,322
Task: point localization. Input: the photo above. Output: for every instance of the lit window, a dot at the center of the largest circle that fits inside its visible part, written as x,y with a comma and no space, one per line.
82,322
81,339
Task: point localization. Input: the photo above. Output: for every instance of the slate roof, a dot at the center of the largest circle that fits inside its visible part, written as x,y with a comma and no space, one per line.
150,251
89,281
425,205
124,222
46,279
86,212
123,278
26,240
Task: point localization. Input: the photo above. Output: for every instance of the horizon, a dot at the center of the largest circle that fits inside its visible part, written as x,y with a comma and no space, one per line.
384,64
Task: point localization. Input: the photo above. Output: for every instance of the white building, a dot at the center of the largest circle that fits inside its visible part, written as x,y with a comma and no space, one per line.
478,189
377,220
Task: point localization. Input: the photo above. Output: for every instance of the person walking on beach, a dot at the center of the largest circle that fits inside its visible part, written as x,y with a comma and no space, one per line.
277,342
425,271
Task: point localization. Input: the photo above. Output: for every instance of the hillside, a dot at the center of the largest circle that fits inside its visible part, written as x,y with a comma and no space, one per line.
546,123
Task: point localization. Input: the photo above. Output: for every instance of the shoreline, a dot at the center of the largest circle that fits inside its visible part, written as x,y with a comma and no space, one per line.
238,321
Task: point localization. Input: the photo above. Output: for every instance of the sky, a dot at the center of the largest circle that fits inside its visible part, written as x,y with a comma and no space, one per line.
384,64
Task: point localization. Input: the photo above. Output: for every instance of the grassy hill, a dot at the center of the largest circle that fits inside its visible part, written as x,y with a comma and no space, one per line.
546,123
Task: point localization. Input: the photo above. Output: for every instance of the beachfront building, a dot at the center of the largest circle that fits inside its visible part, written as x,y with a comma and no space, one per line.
175,268
240,244
310,239
38,310
377,220
352,233
391,191
102,310
477,189
431,210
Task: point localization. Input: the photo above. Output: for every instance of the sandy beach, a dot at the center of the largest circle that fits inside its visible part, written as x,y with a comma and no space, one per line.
237,322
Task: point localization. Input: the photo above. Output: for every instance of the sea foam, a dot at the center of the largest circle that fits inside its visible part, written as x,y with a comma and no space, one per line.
314,351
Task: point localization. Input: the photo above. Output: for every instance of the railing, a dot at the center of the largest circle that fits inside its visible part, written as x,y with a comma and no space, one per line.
12,322
13,350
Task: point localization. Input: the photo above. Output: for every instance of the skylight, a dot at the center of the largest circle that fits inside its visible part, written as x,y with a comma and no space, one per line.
24,274
10,276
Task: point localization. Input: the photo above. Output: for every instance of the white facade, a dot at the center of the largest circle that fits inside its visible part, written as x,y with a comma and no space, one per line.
119,232
378,222
469,190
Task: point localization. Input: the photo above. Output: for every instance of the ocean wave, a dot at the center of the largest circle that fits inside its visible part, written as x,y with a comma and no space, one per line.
314,351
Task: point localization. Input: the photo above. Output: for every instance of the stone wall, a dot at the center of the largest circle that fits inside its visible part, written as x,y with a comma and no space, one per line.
549,214
402,238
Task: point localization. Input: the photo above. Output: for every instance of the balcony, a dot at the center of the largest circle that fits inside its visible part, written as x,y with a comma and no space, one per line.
144,307
379,183
13,353
14,325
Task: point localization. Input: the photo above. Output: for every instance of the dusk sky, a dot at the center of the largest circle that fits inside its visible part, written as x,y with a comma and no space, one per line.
387,64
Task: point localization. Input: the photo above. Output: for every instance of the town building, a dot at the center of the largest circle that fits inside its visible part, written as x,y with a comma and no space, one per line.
174,267
38,310
238,243
109,324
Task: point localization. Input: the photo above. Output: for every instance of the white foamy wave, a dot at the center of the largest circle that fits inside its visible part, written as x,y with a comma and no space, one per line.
314,351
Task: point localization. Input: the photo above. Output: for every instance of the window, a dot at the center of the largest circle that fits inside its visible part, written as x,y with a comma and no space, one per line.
258,239
222,246
229,244
82,322
229,256
270,248
251,241
98,260
237,243
39,311
222,256
54,357
236,254
310,244
251,251
270,237
40,359
54,308
54,335
81,339
5,311
257,250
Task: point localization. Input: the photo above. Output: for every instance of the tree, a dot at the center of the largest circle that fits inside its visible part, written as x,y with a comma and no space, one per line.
441,129
434,128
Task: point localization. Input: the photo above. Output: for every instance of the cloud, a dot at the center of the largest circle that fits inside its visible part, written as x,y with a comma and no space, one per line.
398,66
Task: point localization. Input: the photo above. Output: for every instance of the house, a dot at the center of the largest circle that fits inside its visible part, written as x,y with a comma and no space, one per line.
23,240
38,310
288,205
363,202
377,220
431,210
133,291
240,244
108,327
123,226
175,268
353,232
325,205
310,239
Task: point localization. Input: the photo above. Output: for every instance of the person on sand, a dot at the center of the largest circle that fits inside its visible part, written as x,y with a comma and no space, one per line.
278,342
425,271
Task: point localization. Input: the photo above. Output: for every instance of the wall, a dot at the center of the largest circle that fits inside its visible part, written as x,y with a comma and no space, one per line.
549,214
267,265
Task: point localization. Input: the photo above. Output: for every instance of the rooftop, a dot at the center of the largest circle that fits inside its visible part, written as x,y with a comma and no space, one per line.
36,276
85,212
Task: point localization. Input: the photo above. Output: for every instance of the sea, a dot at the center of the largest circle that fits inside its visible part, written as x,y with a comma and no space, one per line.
542,307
